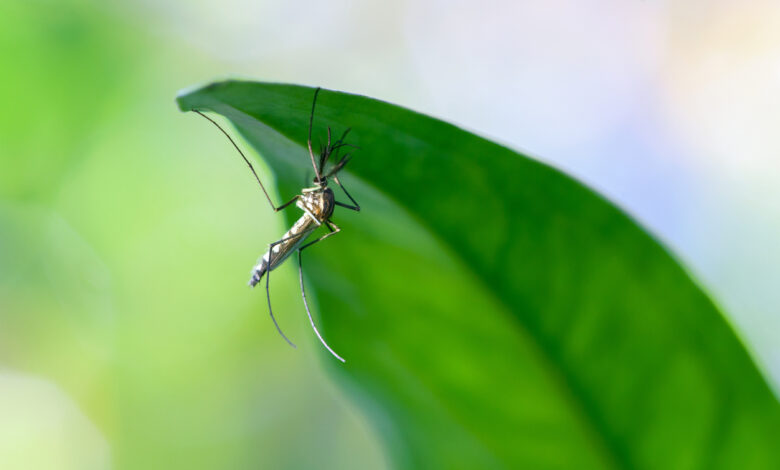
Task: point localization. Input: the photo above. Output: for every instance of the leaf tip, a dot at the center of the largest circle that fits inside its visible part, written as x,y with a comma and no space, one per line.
186,98
182,98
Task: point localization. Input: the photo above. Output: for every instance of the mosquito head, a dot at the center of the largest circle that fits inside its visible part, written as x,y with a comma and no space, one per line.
321,182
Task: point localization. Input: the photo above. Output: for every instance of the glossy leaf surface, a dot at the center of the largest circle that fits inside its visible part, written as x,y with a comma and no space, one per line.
495,313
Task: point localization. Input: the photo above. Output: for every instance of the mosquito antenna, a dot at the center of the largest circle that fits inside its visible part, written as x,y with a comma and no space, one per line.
344,135
242,156
311,122
339,143
325,152
311,320
345,144
344,160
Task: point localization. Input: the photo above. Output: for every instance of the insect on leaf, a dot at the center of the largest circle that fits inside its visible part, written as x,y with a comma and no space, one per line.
497,313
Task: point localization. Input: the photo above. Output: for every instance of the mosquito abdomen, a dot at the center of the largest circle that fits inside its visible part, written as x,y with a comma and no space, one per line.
258,272
281,250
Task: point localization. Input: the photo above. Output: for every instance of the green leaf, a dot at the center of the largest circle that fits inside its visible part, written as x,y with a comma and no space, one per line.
494,312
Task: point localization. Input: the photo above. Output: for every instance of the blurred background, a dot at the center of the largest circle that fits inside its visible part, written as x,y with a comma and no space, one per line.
128,337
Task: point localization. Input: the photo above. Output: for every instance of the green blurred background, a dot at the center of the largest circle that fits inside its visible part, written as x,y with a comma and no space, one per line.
128,337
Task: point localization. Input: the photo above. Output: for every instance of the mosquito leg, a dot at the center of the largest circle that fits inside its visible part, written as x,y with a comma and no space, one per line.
268,292
308,142
330,225
303,291
251,168
315,219
356,206
295,198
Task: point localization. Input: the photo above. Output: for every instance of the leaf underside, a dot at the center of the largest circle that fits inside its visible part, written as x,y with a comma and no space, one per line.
496,313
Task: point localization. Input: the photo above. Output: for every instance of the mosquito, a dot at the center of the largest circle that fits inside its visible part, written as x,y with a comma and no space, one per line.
317,204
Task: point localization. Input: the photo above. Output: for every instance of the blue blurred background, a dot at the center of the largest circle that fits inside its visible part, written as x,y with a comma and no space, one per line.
128,338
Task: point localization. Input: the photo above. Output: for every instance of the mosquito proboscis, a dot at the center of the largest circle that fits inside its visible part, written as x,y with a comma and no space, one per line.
316,202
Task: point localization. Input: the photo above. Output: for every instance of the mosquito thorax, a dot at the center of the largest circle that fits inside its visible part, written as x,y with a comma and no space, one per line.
319,200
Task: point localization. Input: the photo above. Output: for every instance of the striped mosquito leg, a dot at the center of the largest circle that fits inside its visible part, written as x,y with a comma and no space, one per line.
303,291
